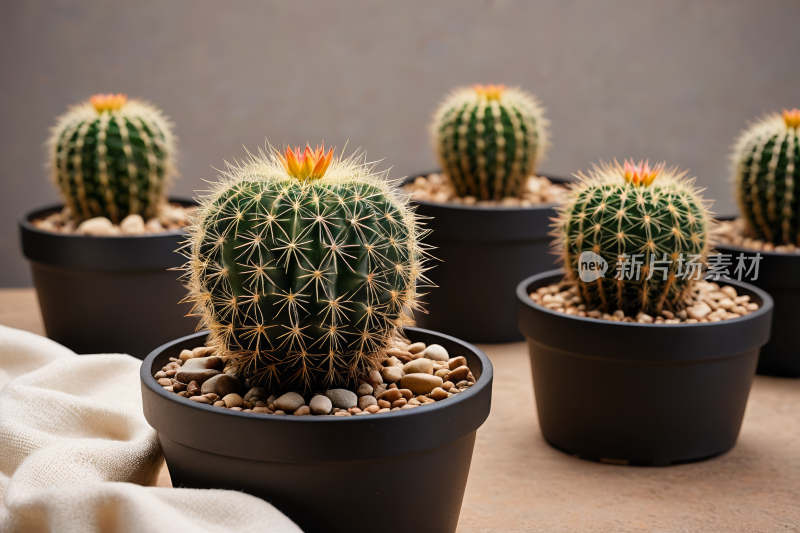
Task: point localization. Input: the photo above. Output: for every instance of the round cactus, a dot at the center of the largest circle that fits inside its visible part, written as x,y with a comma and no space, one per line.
767,176
303,266
111,157
489,139
654,232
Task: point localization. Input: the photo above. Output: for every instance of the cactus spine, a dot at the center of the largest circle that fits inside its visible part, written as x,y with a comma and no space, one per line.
111,157
303,266
489,139
616,212
767,177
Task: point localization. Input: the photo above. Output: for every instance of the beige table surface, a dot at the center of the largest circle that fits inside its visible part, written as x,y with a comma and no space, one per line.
518,483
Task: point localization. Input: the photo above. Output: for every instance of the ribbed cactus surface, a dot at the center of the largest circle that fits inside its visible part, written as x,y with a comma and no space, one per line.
303,273
111,157
767,176
489,139
620,212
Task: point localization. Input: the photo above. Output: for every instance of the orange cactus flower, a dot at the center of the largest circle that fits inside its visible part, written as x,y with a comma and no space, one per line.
490,92
308,164
641,174
108,102
791,118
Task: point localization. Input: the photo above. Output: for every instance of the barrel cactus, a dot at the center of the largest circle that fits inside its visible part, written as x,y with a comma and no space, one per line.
648,223
489,140
303,266
111,157
766,164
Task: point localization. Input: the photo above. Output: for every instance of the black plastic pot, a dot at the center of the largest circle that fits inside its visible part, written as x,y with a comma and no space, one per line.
779,275
483,253
107,294
641,394
331,474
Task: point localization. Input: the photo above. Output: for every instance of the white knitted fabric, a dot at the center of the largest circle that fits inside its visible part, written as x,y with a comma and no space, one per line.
75,452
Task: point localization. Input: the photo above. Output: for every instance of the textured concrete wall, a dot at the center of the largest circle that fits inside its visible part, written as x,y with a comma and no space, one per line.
670,81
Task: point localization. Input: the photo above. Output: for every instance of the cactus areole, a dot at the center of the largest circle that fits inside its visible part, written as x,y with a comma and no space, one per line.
303,265
648,224
766,163
111,157
489,139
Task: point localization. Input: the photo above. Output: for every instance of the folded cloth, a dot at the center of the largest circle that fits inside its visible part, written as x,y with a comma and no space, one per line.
75,451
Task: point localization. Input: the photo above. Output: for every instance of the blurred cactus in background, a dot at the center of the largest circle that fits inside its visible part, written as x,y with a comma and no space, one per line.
766,163
489,140
112,157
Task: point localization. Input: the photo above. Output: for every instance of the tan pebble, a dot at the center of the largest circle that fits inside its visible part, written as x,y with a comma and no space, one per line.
363,413
160,374
177,386
418,366
392,374
219,403
204,351
354,410
98,226
395,409
235,408
399,403
211,396
186,354
373,409
374,378
414,401
279,412
667,314
456,362
154,226
233,400
183,394
447,385
383,404
392,386
453,390
727,304
730,291
691,321
594,314
752,306
132,224
741,299
364,389
409,406
171,372
421,383
391,395
739,309
699,311
458,374
342,413
400,354
262,410
436,353
407,394
438,394
442,373
247,405
415,348
384,410
165,382
302,411
733,315
200,399
463,384
618,314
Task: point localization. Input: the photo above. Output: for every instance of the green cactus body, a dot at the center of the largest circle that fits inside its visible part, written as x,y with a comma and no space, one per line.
661,220
304,282
112,159
767,178
489,139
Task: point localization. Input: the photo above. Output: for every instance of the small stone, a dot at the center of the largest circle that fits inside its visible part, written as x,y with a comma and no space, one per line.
171,372
233,400
200,399
279,413
391,395
168,388
193,389
219,403
418,366
255,394
98,227
380,389
409,406
442,373
729,291
235,408
421,383
391,374
463,384
374,378
354,410
727,303
211,396
372,409
203,363
438,394
699,311
271,399
458,374
160,374
366,401
447,385
320,405
456,362
153,226
416,348
165,382
399,403
436,353
342,398
407,394
222,385
186,355
384,410
247,405
383,404
289,402
262,410
342,413
364,389
132,225
204,351
304,410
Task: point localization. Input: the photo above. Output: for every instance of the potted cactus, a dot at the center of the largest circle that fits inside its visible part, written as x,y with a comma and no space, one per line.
766,173
651,365
304,268
100,261
490,211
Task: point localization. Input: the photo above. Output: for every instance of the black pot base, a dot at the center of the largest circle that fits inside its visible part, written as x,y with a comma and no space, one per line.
624,462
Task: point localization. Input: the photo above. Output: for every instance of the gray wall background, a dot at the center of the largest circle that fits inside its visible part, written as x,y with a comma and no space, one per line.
672,81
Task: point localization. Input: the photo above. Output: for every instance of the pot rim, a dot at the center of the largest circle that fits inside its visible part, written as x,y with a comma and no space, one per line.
485,379
523,296
500,209
26,224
